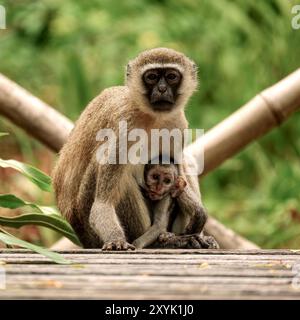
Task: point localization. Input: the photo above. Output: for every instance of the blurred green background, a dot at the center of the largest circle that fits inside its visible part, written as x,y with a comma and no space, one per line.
66,52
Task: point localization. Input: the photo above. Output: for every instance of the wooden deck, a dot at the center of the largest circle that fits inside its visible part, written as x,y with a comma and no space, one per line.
153,274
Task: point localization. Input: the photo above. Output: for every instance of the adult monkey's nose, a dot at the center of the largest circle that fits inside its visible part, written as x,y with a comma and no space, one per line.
162,86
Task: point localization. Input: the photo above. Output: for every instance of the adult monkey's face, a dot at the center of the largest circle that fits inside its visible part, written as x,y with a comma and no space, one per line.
160,81
162,87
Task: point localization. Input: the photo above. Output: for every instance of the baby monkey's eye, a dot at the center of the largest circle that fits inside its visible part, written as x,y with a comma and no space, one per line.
155,176
167,181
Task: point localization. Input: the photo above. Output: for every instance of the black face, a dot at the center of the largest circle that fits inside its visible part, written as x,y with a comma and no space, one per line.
162,85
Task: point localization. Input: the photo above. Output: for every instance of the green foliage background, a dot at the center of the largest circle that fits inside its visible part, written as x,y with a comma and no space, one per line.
67,51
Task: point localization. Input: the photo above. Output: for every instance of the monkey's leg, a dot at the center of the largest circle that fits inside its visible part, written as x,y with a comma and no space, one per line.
162,212
192,216
134,213
148,237
192,221
104,221
114,213
195,231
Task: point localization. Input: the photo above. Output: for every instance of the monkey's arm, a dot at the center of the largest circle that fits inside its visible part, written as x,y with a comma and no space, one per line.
103,217
162,211
192,216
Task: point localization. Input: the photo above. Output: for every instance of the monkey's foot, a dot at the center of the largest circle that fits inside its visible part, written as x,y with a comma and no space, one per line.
198,241
118,245
212,243
166,237
169,240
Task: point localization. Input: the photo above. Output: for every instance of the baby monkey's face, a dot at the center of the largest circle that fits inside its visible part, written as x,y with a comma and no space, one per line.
162,180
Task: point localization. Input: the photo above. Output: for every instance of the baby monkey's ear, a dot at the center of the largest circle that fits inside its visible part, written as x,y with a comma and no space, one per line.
178,187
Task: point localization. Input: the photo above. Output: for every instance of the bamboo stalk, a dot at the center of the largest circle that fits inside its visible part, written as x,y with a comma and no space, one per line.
264,112
33,115
227,238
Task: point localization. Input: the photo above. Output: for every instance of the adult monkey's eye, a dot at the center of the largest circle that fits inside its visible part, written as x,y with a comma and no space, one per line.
152,76
172,76
167,181
155,176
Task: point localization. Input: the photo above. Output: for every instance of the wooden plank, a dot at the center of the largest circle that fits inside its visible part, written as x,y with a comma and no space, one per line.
153,274
152,270
169,251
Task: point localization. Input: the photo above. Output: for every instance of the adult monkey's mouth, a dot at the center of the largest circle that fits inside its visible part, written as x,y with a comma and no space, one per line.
164,97
162,105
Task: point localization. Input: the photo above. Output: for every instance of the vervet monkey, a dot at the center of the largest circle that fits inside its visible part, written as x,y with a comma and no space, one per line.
162,185
103,202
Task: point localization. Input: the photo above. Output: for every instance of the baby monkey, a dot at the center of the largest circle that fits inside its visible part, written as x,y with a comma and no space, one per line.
162,185
162,181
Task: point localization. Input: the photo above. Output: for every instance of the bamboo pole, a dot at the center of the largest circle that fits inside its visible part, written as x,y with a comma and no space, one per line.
227,238
33,115
264,112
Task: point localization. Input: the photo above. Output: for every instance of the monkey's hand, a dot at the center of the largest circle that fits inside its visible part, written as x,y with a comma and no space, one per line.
118,245
178,188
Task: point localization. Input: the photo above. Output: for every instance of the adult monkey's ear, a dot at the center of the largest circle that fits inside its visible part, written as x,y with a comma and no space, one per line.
195,70
179,185
128,69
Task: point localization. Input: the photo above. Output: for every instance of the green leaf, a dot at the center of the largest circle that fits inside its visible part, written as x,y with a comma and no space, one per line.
13,241
2,134
47,217
10,201
36,176
51,221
